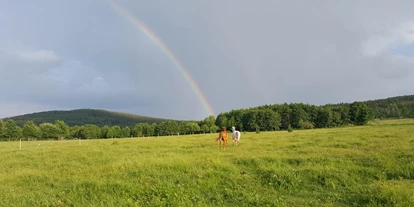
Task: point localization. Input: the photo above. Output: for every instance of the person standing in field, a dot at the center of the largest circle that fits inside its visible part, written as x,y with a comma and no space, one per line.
236,135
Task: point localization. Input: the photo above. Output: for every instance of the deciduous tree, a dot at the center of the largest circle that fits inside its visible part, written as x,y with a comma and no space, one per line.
30,130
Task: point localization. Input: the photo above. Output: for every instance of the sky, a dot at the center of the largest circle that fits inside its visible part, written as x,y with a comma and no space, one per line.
206,56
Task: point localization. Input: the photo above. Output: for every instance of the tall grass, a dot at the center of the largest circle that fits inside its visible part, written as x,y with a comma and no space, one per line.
354,166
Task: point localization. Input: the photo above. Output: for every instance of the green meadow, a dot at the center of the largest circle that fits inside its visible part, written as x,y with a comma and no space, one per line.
370,165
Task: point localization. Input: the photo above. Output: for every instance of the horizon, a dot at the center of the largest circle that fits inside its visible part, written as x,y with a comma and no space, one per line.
1,118
186,60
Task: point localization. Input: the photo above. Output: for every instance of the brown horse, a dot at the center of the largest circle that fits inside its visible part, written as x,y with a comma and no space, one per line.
223,136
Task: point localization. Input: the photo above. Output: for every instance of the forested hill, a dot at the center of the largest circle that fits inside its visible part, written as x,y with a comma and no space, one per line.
296,114
85,116
306,116
389,108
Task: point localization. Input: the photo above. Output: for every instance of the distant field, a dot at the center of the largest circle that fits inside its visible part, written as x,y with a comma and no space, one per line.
355,166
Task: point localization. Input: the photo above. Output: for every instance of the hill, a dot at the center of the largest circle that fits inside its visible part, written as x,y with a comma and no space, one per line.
86,116
294,113
389,108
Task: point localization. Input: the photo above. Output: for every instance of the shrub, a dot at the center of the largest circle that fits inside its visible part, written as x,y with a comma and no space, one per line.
290,129
308,125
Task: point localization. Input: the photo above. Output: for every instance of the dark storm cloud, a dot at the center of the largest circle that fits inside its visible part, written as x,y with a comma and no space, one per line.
82,54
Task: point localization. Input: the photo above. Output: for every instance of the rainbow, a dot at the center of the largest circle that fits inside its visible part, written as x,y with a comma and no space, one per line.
148,32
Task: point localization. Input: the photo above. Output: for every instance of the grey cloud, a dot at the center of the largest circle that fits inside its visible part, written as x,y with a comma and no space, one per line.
249,52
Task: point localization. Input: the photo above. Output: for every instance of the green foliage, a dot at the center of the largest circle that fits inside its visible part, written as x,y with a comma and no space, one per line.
307,125
261,118
324,118
168,127
143,129
89,131
111,133
209,124
138,130
205,128
354,166
116,131
49,130
188,127
74,131
104,131
30,130
64,130
86,116
126,132
359,113
223,121
194,127
11,130
1,128
289,129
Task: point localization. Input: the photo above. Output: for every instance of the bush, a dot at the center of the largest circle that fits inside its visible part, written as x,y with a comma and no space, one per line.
290,129
308,125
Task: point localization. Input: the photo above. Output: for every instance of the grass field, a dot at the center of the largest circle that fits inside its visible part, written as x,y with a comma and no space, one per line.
371,165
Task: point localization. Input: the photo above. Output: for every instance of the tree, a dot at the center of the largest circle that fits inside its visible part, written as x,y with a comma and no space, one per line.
308,125
90,131
222,120
151,130
268,120
143,129
138,130
1,128
168,127
30,130
49,130
147,129
104,131
74,131
126,132
116,130
64,129
172,127
11,130
205,128
298,116
285,113
237,116
359,113
111,133
336,118
211,123
214,129
184,127
324,118
289,128
194,127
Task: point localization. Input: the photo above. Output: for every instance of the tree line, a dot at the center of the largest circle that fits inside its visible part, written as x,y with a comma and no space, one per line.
295,115
9,130
262,118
